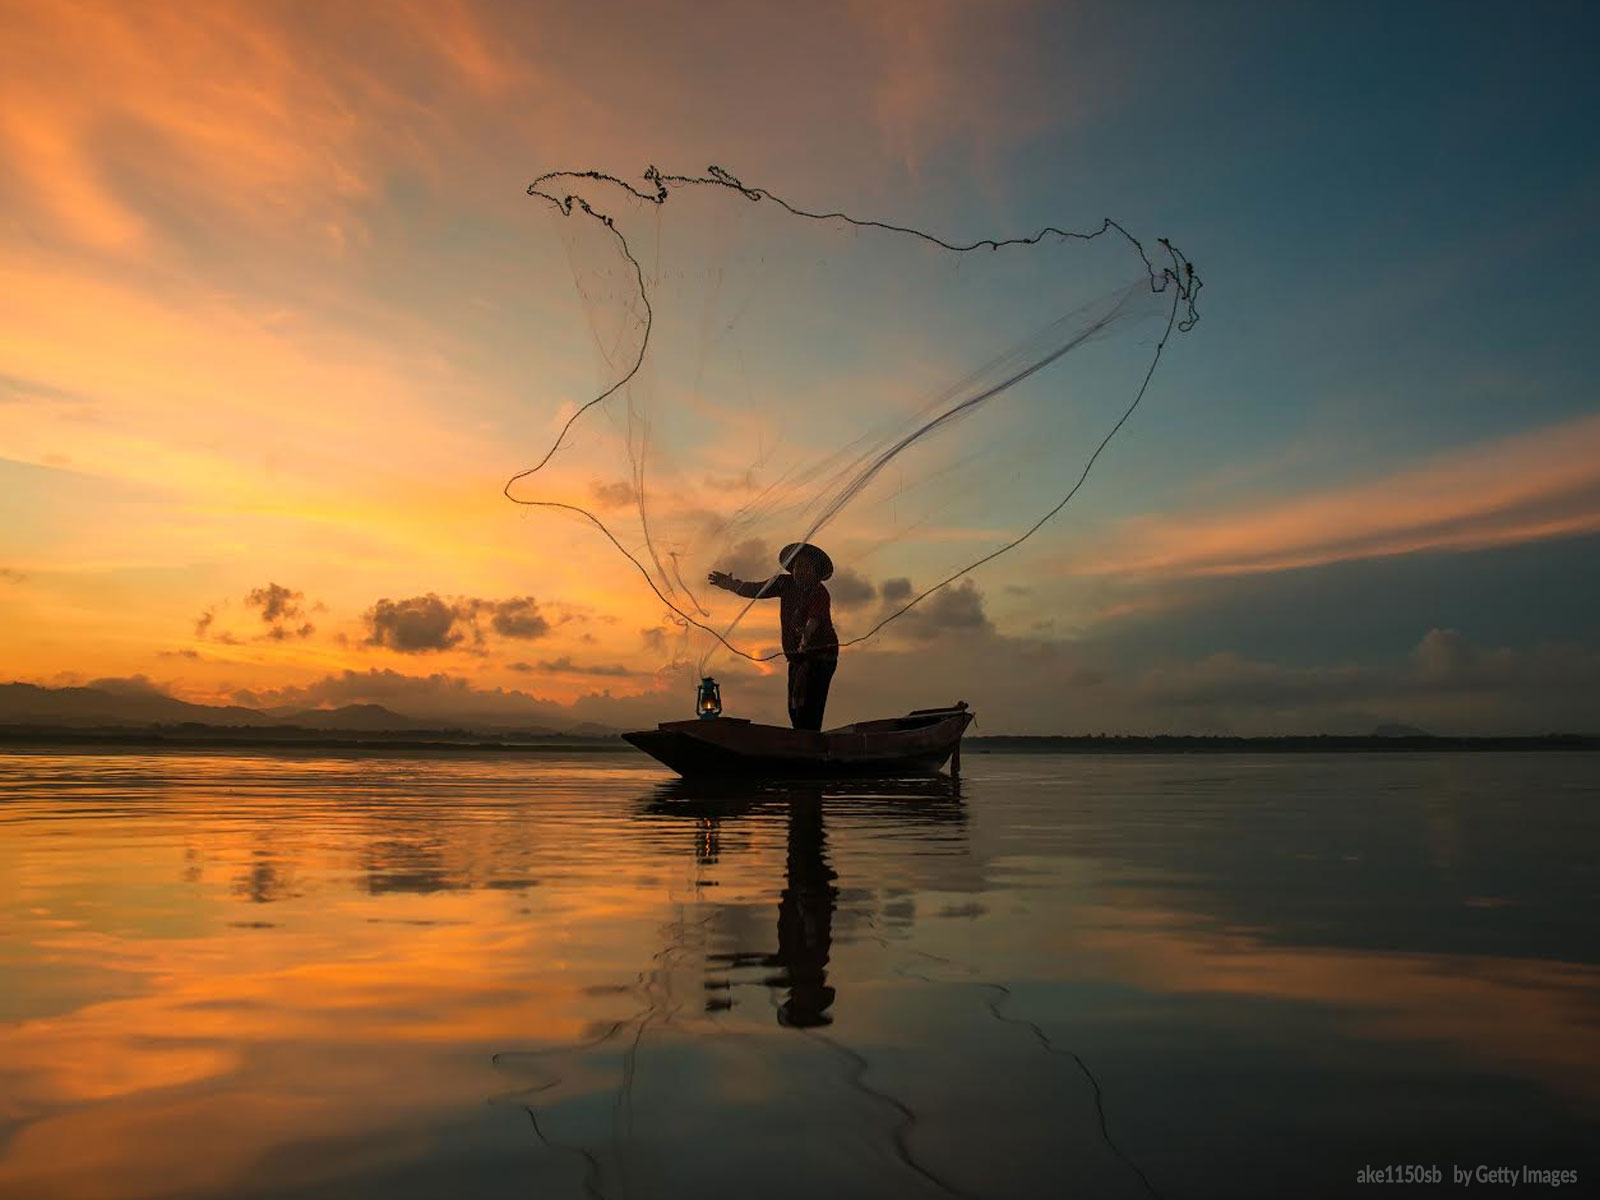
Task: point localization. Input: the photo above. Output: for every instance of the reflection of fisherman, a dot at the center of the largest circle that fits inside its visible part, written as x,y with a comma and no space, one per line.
809,641
805,922
809,901
805,917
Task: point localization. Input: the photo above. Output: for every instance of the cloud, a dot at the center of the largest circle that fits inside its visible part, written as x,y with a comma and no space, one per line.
519,618
271,117
850,590
1443,653
428,624
1230,680
666,639
418,624
896,591
275,602
1445,684
565,666
561,613
954,608
1522,488
455,699
612,495
279,606
8,575
751,559
1445,660
291,120
1442,682
130,685
191,655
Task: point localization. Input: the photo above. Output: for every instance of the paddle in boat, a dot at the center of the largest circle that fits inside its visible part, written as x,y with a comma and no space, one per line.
919,743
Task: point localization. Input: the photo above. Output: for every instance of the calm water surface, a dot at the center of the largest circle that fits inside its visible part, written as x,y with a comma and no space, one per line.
278,974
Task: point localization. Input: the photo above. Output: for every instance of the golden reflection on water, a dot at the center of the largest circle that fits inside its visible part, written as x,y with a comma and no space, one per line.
211,964
296,1029
250,978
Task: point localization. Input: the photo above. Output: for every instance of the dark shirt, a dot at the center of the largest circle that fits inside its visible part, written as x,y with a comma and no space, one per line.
795,610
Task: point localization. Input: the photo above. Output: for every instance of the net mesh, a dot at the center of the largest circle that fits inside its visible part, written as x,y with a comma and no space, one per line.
772,375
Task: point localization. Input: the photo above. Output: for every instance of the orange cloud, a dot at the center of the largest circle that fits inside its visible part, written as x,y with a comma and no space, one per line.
228,104
1522,488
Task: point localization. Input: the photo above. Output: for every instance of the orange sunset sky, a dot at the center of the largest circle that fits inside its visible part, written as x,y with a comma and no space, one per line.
278,321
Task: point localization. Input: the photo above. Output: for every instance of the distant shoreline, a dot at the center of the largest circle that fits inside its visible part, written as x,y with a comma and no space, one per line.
189,737
1319,743
290,738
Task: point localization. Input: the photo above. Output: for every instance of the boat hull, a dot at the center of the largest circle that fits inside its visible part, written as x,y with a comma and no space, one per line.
917,744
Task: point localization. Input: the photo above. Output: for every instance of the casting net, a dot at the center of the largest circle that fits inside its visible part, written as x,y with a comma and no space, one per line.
770,375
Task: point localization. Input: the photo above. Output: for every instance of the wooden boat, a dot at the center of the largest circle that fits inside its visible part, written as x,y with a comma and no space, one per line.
919,743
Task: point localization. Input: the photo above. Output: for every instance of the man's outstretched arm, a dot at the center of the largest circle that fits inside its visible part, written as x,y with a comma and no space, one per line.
765,589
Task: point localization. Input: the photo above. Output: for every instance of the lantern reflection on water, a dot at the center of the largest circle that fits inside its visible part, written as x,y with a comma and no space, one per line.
708,702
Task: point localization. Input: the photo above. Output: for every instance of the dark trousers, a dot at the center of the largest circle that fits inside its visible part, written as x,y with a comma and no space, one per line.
808,690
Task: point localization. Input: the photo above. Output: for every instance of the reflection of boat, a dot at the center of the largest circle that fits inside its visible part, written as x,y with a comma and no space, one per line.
918,743
931,798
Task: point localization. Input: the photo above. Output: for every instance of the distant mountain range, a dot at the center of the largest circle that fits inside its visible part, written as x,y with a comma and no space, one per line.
27,704
128,715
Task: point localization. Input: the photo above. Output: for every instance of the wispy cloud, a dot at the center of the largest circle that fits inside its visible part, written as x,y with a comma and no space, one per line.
565,666
274,121
1522,488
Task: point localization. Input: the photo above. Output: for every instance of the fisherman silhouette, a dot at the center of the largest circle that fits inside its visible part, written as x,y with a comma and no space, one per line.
806,620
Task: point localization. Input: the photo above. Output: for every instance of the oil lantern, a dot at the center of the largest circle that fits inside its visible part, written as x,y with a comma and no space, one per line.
708,703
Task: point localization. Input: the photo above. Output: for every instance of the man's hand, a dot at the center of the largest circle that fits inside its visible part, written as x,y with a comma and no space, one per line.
720,579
